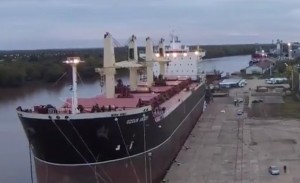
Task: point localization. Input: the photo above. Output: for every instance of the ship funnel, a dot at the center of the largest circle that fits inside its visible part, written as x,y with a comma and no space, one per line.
108,70
132,52
161,48
149,61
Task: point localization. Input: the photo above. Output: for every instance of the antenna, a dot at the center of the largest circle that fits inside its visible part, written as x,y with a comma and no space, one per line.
74,61
172,34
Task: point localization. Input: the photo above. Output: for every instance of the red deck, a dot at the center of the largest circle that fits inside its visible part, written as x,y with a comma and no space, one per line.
141,95
160,89
160,98
101,101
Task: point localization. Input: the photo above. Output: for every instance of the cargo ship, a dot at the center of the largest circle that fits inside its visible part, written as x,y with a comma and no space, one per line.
258,56
130,133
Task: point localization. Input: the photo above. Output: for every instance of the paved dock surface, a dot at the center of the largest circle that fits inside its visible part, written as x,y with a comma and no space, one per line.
227,148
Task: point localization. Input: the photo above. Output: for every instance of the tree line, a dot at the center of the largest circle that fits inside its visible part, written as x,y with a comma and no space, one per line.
20,67
43,69
214,51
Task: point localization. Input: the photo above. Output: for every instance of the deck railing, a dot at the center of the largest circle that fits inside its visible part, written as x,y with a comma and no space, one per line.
68,110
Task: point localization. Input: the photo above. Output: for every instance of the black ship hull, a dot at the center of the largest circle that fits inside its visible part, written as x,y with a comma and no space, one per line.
116,149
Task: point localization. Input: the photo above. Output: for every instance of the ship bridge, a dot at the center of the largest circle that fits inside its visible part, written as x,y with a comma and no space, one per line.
182,60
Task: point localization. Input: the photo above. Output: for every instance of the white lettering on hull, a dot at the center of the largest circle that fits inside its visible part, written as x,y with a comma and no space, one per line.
137,120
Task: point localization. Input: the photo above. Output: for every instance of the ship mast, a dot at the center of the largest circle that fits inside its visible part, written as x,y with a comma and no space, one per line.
162,64
133,53
149,61
133,57
172,45
110,65
74,61
108,71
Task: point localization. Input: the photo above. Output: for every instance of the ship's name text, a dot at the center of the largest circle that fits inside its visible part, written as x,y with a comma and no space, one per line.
136,120
118,114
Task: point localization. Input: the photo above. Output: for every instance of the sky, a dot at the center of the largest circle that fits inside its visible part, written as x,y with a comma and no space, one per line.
43,24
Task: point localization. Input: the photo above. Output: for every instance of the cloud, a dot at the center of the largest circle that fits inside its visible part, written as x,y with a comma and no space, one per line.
34,24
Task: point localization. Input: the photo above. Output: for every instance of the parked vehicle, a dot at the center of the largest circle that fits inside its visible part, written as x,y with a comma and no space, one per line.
268,81
240,112
240,100
274,170
242,83
276,80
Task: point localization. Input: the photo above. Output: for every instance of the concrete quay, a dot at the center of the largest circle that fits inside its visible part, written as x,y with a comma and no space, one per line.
227,148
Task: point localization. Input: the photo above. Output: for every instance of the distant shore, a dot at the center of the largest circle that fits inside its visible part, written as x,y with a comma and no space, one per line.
20,68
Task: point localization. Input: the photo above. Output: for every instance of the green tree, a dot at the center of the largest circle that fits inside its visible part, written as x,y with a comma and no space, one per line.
53,73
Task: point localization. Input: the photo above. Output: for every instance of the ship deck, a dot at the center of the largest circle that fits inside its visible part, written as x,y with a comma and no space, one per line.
127,103
133,102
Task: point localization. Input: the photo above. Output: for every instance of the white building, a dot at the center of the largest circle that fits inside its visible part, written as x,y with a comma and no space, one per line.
259,68
254,69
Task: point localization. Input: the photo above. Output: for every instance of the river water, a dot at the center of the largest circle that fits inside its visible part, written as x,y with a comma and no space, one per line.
14,151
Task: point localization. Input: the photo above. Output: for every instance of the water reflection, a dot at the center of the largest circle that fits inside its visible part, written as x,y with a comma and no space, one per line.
226,64
11,94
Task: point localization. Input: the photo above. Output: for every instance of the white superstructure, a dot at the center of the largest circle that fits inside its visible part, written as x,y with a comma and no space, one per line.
183,60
